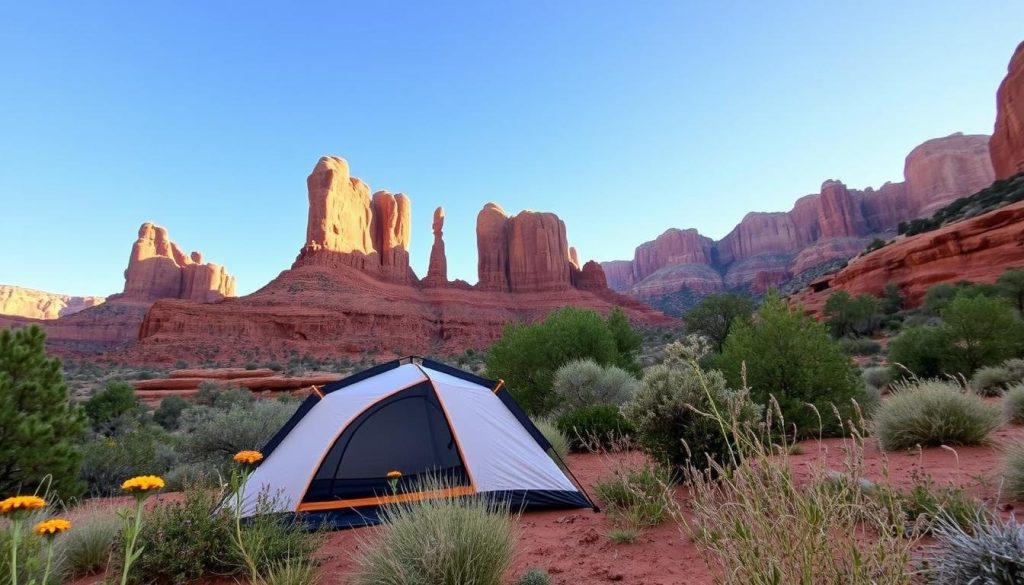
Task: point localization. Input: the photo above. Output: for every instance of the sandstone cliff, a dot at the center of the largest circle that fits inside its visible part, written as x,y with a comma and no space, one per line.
977,249
159,269
345,293
767,249
37,304
1007,143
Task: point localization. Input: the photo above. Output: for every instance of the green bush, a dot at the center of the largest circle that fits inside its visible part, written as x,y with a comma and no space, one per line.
168,414
921,350
637,497
1013,471
534,577
715,314
213,394
926,503
252,424
1013,405
528,355
850,316
559,442
859,346
1011,285
186,540
876,377
989,551
600,426
87,547
444,540
38,425
108,461
117,398
992,380
669,429
582,383
981,331
930,413
789,355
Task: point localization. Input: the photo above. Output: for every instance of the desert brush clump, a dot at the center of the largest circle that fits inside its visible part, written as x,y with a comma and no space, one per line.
584,382
989,551
992,380
439,540
1013,471
756,522
1013,404
876,377
595,427
534,577
929,413
674,414
637,497
86,550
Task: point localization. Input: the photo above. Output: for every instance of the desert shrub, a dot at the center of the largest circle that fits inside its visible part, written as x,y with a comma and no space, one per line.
931,413
38,425
107,461
1013,405
788,355
876,377
920,349
1011,286
990,551
584,382
444,540
991,380
846,315
982,330
1016,367
186,540
275,541
637,497
715,314
924,504
534,577
217,396
528,355
755,523
86,549
600,426
558,440
251,425
1013,471
168,414
859,346
669,427
115,399
892,299
937,297
292,572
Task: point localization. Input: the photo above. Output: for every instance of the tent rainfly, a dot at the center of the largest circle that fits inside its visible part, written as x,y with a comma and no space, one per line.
431,422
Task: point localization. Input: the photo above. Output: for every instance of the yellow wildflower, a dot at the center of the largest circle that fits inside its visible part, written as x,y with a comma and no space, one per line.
21,503
143,483
248,457
394,474
52,527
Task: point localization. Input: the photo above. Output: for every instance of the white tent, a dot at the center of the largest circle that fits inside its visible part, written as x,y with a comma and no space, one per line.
424,419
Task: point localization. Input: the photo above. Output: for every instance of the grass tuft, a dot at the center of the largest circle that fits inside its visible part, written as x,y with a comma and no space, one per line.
930,413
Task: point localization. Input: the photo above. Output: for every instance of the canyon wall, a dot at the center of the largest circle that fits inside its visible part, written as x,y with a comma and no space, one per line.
1007,143
350,290
36,304
978,249
768,249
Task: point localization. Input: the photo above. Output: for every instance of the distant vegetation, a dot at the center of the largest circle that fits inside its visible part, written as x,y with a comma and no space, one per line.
1000,193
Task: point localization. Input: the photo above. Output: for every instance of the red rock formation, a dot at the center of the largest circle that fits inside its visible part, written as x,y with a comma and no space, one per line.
492,248
592,277
437,271
977,249
1007,143
945,169
391,231
158,269
339,210
834,224
37,304
186,382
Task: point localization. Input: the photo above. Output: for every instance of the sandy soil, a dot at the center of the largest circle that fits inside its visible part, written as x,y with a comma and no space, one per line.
574,548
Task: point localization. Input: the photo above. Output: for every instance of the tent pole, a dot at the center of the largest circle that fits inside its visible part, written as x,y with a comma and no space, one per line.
579,484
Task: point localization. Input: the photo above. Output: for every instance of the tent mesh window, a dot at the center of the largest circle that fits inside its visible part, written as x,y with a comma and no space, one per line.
406,432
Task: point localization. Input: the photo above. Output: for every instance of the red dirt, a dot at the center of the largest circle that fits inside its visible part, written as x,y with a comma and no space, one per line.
574,548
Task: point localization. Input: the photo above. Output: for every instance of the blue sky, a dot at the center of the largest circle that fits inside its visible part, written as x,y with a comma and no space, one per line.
625,118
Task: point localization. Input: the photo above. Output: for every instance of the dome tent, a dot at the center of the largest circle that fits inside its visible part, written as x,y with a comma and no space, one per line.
433,423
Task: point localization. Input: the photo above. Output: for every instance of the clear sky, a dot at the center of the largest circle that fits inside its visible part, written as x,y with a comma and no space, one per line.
624,118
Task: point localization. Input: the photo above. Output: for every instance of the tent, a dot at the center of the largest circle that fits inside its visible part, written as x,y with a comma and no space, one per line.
330,462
